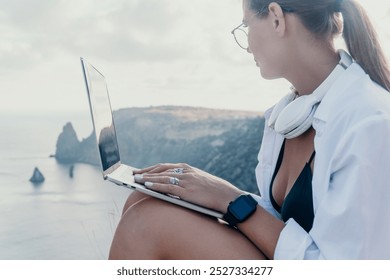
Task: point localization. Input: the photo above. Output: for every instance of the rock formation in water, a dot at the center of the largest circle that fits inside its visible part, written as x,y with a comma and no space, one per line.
68,146
37,176
222,142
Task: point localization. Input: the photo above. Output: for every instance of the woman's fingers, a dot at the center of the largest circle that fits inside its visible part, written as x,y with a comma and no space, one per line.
165,188
158,178
165,184
146,170
163,167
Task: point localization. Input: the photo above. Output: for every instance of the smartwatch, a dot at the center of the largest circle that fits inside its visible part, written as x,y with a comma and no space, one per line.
240,209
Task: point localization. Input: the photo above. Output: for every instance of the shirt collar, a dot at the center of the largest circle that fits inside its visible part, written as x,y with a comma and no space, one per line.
267,113
337,91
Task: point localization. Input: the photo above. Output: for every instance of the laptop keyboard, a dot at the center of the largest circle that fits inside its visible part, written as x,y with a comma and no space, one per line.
125,173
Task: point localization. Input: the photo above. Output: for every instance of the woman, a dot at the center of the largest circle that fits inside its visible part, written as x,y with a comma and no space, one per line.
323,164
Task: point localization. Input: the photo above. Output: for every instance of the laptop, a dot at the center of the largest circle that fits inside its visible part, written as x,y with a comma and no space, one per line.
104,127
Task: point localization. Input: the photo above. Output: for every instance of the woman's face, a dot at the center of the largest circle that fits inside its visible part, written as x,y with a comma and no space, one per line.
263,42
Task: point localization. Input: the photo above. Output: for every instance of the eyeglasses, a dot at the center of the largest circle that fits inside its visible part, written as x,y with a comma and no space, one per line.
240,33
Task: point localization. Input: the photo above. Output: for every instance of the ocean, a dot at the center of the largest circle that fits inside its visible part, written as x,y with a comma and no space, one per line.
62,218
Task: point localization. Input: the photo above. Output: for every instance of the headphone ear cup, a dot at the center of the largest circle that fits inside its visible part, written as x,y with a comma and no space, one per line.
300,129
278,108
296,115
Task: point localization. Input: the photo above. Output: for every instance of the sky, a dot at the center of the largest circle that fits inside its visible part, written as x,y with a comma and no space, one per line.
152,52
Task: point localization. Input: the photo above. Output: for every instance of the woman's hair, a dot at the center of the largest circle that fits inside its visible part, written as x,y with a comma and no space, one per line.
322,18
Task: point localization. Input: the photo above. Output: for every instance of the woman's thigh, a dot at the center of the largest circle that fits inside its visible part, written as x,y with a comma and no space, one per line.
133,198
154,229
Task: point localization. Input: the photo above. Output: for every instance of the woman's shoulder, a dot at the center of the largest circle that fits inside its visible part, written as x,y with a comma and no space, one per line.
368,98
355,105
356,95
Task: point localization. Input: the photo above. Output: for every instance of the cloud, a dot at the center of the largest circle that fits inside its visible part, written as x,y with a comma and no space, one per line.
141,30
167,50
165,46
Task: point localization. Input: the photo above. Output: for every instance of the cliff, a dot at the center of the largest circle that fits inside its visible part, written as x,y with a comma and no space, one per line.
222,142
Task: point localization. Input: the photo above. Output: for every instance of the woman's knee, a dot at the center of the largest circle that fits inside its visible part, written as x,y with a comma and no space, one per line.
138,233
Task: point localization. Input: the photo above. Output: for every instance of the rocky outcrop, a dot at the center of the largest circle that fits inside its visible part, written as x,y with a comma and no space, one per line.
37,176
68,146
224,143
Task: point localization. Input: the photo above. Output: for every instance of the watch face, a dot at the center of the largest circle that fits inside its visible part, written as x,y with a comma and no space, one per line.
242,208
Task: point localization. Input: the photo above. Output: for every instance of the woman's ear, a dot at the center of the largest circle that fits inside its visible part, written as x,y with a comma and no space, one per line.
277,16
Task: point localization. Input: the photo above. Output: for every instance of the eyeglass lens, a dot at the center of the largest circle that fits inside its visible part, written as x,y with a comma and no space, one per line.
241,38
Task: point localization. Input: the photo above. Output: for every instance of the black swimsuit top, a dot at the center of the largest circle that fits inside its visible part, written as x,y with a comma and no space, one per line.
298,203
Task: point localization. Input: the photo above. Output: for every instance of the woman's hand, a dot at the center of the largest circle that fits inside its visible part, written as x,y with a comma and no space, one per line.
190,184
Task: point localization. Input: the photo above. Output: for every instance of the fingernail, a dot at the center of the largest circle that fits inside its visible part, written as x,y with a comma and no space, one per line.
148,184
138,177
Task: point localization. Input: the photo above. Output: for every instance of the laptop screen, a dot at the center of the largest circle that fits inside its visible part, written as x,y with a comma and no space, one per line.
101,115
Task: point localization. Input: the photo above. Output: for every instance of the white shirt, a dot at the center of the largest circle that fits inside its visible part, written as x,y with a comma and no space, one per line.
351,176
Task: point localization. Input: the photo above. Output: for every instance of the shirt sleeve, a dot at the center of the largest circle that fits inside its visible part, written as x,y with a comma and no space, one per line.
351,217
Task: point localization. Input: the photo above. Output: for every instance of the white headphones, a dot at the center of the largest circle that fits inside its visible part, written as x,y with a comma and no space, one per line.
293,115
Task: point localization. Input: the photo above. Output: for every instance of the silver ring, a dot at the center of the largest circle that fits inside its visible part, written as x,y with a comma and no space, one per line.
178,170
174,181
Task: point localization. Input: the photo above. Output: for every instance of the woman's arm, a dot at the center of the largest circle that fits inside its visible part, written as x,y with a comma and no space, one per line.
263,230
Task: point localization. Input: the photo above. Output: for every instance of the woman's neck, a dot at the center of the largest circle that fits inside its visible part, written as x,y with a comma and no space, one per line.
310,68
